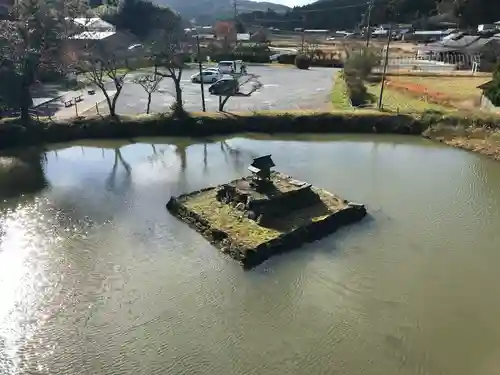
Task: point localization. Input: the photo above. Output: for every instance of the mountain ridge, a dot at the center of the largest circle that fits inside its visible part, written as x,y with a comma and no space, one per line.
208,11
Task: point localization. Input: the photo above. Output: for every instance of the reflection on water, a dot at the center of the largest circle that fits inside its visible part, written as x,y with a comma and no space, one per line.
97,278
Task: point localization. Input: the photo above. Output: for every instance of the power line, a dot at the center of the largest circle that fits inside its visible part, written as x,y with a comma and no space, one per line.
371,4
360,5
368,24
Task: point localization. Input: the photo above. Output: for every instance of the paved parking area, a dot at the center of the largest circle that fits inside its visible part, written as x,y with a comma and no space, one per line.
283,88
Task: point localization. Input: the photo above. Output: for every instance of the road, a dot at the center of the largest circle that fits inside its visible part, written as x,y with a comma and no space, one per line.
284,88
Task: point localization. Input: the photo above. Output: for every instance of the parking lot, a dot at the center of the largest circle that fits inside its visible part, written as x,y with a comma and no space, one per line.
284,88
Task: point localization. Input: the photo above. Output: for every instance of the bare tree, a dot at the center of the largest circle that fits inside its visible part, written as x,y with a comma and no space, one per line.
150,84
101,67
166,52
234,90
311,50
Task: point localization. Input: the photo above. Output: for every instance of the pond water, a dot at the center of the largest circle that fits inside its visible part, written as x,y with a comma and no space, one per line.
97,278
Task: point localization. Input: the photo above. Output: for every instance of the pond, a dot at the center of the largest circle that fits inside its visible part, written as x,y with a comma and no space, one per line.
96,277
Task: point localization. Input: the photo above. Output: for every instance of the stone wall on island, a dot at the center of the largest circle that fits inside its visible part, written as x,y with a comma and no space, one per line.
247,255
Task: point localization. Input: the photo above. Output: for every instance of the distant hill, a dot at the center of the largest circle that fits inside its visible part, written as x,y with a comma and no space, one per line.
349,14
208,11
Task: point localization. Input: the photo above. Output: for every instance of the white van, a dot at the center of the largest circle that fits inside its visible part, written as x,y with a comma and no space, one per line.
230,67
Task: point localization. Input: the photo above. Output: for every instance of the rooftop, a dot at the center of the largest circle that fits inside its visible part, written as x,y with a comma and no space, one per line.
94,23
485,85
93,35
434,32
460,42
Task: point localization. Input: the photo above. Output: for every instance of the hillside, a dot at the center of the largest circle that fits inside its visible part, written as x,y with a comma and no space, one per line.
348,14
207,11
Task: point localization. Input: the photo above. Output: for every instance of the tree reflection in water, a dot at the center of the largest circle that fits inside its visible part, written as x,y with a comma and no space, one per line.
23,172
181,152
205,158
111,181
237,156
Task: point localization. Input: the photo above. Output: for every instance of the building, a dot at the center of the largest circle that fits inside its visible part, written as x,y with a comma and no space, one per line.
486,103
94,24
427,35
225,30
465,50
486,28
100,34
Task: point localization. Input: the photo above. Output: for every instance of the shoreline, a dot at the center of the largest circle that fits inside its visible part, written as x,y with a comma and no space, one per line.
15,135
476,134
484,140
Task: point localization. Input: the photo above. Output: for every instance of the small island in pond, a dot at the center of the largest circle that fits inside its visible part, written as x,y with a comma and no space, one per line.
256,217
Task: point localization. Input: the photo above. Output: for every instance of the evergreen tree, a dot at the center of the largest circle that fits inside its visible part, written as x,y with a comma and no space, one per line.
493,90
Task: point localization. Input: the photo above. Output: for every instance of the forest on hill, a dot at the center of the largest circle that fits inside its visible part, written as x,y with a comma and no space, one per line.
204,12
350,14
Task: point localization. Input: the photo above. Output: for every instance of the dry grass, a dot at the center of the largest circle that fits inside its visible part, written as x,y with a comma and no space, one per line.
396,101
456,88
483,140
339,46
247,233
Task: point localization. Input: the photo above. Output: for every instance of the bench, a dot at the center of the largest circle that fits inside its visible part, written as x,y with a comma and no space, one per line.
68,103
78,98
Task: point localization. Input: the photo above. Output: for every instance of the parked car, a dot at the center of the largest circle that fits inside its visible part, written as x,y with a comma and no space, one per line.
17,113
230,67
274,57
208,76
224,86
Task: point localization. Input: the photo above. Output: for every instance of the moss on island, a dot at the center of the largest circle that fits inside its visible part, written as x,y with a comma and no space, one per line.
252,225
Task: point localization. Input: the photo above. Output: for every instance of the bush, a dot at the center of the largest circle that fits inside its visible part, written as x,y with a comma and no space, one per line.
258,58
361,63
357,91
357,69
302,62
492,92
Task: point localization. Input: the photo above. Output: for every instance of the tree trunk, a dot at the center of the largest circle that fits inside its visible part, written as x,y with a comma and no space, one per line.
112,109
178,93
108,99
149,103
222,102
26,103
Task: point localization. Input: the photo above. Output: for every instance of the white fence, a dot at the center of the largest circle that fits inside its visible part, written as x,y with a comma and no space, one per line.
435,63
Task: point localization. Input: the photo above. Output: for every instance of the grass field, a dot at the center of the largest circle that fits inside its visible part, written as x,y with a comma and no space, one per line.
339,46
339,96
396,101
456,88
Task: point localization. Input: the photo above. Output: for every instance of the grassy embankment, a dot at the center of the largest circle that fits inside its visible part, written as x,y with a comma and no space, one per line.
403,114
204,125
442,115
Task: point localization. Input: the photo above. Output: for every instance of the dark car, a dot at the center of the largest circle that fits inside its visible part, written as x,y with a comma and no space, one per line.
11,113
224,86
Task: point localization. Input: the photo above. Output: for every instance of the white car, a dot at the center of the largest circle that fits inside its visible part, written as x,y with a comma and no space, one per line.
208,76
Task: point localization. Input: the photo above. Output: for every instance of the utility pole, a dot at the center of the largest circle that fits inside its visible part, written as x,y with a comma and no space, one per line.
303,33
235,9
201,75
389,37
368,24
